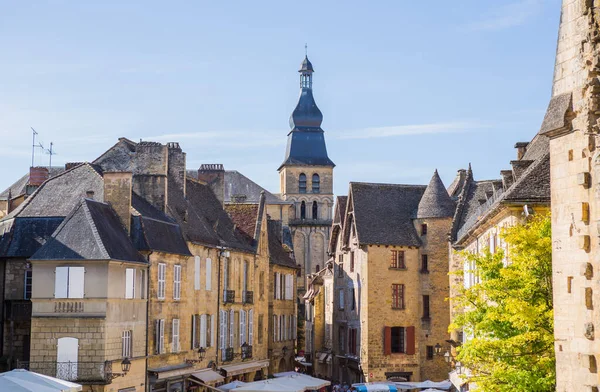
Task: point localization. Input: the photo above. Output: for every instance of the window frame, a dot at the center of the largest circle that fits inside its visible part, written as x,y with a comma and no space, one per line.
400,335
127,344
177,282
398,296
28,284
425,264
398,260
161,282
316,179
302,183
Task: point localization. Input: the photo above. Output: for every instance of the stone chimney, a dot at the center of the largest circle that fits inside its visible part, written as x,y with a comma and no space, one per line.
117,193
37,175
176,165
521,149
214,176
150,173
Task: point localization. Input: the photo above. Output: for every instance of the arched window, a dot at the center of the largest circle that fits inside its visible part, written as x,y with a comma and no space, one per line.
303,210
302,183
316,183
315,210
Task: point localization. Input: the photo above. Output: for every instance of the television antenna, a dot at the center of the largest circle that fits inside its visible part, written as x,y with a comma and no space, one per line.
50,151
34,146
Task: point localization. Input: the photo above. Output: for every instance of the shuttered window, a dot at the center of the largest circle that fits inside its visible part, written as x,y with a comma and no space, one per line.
399,340
68,282
203,324
162,269
175,336
126,344
159,336
129,283
208,283
176,282
250,327
197,273
223,330
242,327
211,333
195,342
277,286
275,328
231,328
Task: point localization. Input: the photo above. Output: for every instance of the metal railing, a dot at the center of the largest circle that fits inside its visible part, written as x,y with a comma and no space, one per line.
227,354
247,297
84,372
18,309
479,213
246,352
228,296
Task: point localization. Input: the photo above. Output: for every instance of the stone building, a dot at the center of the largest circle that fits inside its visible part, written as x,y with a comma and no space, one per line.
572,125
484,209
391,282
306,180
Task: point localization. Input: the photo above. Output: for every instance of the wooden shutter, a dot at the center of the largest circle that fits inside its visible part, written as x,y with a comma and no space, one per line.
387,341
410,340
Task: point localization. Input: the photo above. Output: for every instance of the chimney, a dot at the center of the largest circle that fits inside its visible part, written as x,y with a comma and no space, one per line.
37,175
150,173
117,193
70,165
176,165
214,176
507,178
521,149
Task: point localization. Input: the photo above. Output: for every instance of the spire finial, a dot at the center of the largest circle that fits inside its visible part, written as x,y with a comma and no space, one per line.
305,50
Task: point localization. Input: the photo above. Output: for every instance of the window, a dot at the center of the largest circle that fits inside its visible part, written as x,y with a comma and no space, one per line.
302,183
208,283
210,327
342,339
28,280
315,210
175,336
67,350
341,266
424,264
275,328
397,296
276,283
317,268
282,336
126,346
223,331
429,352
231,328
69,282
250,327
242,327
129,283
176,282
162,270
424,229
353,299
204,338
398,340
261,283
341,299
398,261
352,261
159,336
303,210
260,328
316,183
289,287
196,272
281,286
352,341
245,277
426,314
195,332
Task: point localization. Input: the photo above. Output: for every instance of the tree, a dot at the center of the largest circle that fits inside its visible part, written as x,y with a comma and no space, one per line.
508,313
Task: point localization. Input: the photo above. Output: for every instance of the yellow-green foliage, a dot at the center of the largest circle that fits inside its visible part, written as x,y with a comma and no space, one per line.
508,315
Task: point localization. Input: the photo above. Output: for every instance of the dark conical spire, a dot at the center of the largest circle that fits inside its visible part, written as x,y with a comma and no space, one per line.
306,141
436,202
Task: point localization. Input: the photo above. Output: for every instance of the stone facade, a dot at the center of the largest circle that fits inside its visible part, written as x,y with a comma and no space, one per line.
573,129
282,346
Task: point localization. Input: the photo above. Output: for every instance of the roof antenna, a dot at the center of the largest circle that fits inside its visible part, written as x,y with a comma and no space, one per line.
50,151
305,50
33,147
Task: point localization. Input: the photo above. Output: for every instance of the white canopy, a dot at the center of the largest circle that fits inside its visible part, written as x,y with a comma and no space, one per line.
443,385
21,380
292,383
284,374
432,390
232,385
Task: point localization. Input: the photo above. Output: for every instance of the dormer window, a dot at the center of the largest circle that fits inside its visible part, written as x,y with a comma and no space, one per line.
316,183
302,183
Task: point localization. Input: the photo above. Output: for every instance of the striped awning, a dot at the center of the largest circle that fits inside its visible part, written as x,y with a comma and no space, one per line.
375,387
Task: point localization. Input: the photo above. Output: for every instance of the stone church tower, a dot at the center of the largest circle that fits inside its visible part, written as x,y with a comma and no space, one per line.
573,124
306,179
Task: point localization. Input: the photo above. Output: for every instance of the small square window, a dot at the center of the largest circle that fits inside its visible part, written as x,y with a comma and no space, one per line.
429,352
424,229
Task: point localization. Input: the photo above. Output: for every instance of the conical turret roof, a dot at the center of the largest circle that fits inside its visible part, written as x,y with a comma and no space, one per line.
436,202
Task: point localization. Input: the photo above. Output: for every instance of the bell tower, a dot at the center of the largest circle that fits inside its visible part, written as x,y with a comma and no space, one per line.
306,179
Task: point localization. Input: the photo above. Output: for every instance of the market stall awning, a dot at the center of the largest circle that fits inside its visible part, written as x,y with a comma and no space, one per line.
284,374
244,367
172,371
295,382
375,387
443,385
21,380
232,385
208,376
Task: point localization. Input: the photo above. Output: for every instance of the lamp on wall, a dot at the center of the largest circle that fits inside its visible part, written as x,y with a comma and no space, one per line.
125,367
438,349
201,353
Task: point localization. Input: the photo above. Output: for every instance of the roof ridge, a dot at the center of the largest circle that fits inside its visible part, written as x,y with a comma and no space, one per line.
387,184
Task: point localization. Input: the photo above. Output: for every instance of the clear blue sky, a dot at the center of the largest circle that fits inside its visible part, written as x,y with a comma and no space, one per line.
405,86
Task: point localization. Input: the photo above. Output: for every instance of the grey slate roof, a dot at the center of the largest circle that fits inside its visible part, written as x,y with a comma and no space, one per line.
555,117
436,202
92,231
22,237
383,213
19,187
237,184
277,254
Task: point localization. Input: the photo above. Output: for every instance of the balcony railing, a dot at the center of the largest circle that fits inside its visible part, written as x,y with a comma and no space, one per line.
229,296
227,354
68,306
18,309
246,352
248,297
82,372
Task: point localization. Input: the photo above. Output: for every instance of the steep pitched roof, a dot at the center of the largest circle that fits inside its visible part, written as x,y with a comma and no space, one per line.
22,237
244,216
92,231
19,187
339,217
277,254
383,213
436,202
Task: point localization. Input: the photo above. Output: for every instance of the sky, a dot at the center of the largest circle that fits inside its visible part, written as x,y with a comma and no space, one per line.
405,87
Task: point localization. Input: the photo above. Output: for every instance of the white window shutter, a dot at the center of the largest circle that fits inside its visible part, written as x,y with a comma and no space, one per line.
161,329
275,328
129,283
203,331
76,280
61,282
242,327
250,326
222,329
212,330
208,284
278,286
175,336
197,273
194,332
231,328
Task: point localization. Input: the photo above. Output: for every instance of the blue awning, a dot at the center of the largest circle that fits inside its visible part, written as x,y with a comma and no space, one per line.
375,387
